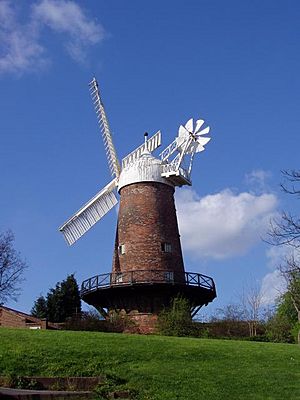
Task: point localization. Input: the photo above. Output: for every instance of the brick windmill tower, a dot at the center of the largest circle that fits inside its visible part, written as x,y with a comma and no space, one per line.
147,269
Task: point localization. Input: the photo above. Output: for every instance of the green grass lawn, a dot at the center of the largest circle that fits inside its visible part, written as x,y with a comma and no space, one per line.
159,368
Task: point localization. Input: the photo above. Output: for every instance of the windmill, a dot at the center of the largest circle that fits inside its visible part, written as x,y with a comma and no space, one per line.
148,265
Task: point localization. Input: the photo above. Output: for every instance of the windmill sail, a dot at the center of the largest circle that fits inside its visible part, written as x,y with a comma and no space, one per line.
89,214
104,126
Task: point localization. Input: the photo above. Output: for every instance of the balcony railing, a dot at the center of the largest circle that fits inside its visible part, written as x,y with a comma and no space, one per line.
146,277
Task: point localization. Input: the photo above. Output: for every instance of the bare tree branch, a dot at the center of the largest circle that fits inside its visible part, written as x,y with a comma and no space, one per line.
11,268
286,229
291,176
286,232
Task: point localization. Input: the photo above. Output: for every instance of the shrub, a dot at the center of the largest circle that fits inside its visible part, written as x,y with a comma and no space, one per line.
279,329
86,321
176,320
92,321
295,332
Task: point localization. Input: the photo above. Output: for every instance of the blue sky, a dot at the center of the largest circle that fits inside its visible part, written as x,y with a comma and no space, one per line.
234,64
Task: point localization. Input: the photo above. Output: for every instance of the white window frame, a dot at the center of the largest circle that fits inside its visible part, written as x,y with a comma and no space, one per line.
121,249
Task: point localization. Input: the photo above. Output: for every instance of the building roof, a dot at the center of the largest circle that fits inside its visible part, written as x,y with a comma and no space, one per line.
20,314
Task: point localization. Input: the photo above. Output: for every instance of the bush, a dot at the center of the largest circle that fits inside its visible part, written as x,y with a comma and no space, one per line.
86,321
93,321
295,331
19,382
176,320
119,322
279,329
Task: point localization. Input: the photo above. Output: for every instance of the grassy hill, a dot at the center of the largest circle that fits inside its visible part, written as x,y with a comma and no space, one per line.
157,367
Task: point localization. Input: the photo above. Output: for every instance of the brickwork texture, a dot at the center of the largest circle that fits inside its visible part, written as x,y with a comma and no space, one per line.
147,219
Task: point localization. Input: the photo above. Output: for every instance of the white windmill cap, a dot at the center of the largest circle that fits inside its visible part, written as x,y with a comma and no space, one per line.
145,169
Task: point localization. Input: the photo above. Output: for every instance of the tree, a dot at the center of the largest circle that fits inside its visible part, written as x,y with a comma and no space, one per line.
71,297
251,305
286,232
61,302
278,329
228,322
281,325
286,307
39,309
12,268
291,271
230,312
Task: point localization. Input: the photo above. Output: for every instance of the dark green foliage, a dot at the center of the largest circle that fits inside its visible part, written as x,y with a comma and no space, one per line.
228,322
286,232
12,268
222,329
69,299
286,307
176,320
121,323
86,321
62,302
39,309
55,304
278,329
93,321
283,326
294,293
295,332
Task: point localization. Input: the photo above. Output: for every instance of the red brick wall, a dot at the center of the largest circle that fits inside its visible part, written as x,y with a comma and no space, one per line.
147,217
10,320
146,323
13,319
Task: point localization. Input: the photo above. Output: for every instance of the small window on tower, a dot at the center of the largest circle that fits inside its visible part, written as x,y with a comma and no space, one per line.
121,249
166,247
169,276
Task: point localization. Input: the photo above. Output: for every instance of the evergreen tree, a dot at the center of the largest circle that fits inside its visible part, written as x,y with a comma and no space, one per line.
39,309
71,303
55,304
61,302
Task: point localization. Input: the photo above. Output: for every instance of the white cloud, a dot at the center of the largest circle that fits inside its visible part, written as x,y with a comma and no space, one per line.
19,47
22,48
257,179
68,18
6,13
277,255
222,225
273,285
